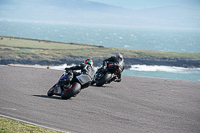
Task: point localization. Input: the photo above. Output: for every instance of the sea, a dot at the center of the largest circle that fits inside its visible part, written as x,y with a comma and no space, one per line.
158,39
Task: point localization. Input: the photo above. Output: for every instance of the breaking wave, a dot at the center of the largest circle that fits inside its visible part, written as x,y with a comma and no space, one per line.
166,72
63,66
171,69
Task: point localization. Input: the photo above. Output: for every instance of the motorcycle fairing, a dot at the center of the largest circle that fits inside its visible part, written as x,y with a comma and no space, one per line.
84,78
57,90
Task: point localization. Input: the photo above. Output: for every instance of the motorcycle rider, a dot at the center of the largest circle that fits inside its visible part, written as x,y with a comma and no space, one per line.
117,59
86,68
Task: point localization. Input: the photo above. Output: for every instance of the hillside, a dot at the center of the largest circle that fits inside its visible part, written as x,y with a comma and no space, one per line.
87,12
15,50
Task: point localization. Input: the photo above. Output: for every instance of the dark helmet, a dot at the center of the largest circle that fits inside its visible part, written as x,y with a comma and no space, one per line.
89,61
118,55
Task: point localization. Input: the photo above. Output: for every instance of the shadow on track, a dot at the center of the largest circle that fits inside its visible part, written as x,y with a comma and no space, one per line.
45,96
98,86
107,86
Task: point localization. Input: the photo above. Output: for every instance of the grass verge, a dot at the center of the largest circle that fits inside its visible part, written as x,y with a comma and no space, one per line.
12,126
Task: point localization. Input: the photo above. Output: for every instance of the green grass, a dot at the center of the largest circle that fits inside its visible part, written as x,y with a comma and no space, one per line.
12,126
37,49
36,44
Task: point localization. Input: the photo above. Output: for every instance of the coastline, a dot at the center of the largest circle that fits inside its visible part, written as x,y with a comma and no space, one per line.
98,62
131,57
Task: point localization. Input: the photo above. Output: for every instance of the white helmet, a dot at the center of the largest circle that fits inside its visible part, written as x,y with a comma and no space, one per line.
118,55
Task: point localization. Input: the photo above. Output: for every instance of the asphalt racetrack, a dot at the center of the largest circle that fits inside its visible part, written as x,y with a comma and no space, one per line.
135,105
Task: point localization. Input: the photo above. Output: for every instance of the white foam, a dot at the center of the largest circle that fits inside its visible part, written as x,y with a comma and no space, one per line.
126,46
145,68
61,67
165,69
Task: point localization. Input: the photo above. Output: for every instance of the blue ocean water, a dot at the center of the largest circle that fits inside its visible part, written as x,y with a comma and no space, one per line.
172,40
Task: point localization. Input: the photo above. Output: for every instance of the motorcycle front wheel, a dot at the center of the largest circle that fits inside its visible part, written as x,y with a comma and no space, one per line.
104,79
51,91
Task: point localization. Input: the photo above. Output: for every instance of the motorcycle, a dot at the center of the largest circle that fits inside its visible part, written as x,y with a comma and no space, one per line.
107,75
66,88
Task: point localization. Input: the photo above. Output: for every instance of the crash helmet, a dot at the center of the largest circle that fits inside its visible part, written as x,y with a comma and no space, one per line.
89,61
118,55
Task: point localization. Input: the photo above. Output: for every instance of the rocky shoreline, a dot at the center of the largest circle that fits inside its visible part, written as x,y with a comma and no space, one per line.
178,62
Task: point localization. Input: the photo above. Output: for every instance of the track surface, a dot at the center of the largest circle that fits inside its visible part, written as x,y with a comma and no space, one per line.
137,104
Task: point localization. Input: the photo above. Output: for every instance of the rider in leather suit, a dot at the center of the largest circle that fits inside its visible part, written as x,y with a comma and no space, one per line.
86,68
117,59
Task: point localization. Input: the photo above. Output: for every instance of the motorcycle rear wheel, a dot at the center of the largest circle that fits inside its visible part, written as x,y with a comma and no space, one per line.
103,80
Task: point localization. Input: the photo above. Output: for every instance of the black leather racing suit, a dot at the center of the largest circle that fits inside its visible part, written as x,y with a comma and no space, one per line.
85,68
115,60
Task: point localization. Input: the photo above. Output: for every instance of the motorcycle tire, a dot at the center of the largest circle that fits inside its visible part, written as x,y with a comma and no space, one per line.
93,82
103,80
50,92
72,91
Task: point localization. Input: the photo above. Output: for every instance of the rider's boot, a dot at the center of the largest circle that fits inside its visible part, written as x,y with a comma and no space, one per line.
118,78
113,79
68,80
57,89
66,86
93,82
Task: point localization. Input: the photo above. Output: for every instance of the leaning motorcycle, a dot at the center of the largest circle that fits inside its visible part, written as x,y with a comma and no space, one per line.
107,75
67,89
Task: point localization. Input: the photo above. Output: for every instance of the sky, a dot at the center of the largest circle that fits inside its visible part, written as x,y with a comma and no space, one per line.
141,4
